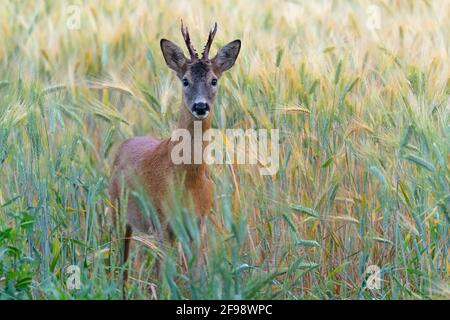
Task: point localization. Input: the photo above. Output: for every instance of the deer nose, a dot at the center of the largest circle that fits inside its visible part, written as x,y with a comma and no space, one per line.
200,108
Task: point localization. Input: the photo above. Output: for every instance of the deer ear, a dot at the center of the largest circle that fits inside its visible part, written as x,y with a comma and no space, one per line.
173,55
226,56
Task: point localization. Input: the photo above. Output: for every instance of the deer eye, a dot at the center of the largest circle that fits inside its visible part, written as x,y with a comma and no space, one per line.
214,82
185,82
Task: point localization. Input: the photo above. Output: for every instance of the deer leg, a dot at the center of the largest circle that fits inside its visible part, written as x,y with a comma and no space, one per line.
159,258
126,252
197,249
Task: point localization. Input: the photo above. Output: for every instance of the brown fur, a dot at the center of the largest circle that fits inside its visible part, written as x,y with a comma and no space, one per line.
147,161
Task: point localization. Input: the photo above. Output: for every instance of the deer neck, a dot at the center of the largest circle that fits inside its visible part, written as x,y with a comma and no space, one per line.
196,128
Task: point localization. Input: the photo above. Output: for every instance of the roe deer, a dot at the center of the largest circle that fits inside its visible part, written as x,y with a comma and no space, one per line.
148,160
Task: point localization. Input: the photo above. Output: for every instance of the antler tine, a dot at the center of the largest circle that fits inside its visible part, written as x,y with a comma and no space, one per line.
211,35
187,40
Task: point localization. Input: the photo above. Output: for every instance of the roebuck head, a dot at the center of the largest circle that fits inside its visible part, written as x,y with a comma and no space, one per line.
199,76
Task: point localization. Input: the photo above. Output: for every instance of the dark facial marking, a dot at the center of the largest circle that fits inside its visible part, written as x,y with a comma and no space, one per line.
199,70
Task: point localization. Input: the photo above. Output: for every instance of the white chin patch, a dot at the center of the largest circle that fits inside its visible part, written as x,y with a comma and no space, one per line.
200,116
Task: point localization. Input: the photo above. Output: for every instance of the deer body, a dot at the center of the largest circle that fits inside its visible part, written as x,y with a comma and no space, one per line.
147,161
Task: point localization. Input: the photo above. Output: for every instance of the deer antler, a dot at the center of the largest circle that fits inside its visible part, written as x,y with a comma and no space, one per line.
187,39
211,35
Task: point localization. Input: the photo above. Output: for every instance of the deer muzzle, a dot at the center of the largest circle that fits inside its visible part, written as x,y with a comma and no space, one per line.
200,110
